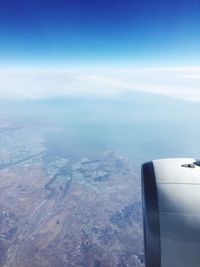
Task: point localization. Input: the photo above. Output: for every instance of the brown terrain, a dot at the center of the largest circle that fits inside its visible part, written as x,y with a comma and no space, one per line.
55,212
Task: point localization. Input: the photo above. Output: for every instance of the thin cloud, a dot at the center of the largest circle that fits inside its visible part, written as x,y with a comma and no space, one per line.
181,83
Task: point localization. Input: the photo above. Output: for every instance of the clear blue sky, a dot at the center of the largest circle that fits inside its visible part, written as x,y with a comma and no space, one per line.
105,32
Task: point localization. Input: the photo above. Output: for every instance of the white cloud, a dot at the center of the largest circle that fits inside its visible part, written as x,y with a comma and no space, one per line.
182,83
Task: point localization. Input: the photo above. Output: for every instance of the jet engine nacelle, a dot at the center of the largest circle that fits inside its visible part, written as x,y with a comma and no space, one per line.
171,212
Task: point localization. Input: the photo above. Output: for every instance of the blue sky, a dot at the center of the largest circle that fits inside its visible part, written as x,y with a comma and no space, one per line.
100,33
56,48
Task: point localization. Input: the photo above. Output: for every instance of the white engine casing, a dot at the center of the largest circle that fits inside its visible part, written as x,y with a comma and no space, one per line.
172,220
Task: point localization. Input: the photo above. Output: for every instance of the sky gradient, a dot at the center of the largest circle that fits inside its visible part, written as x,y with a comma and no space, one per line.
108,32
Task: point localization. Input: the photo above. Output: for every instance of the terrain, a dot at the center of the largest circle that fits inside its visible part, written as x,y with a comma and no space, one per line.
57,211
